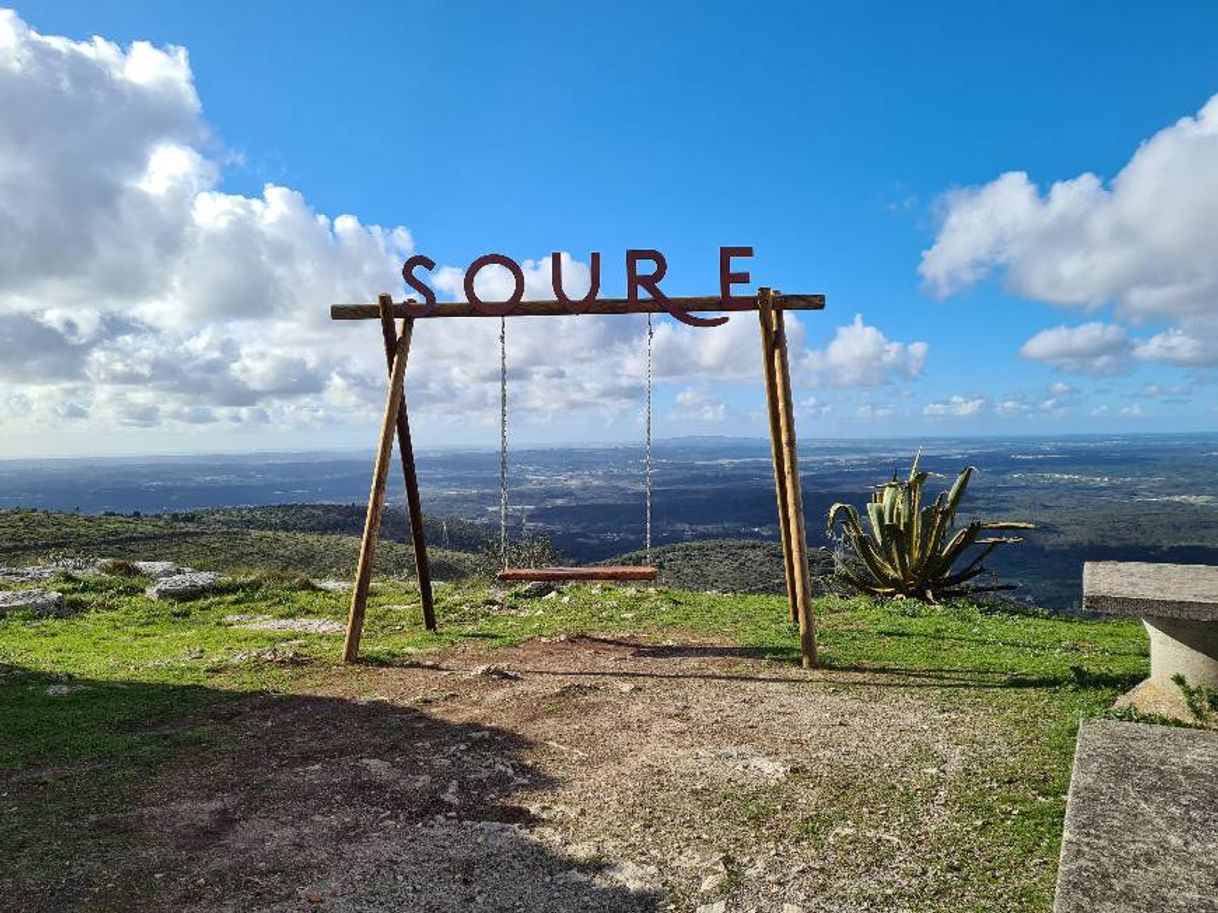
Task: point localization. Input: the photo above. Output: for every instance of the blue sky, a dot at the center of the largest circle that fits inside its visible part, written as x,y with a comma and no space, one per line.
830,137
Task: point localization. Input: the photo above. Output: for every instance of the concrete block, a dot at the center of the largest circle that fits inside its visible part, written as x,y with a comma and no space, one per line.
1141,831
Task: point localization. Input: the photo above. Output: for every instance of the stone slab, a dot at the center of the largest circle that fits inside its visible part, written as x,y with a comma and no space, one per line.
77,567
184,586
1143,590
333,586
296,625
1141,831
159,569
38,601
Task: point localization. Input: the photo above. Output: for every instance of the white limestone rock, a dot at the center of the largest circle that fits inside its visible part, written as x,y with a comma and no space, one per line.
190,585
39,601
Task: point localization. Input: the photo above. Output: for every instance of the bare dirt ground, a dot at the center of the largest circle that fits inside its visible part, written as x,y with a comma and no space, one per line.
572,775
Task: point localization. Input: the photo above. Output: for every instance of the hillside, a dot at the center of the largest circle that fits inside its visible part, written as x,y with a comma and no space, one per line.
323,540
726,565
213,541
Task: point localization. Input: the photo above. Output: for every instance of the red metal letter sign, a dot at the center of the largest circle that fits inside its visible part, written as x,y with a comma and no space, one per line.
429,297
652,284
503,308
727,278
575,306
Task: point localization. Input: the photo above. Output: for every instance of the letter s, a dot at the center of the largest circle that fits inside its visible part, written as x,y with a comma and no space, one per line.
418,285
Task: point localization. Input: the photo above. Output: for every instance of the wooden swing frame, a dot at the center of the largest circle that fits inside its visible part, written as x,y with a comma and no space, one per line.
770,306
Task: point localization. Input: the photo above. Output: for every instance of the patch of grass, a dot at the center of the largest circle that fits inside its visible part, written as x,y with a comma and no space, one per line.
1201,700
117,567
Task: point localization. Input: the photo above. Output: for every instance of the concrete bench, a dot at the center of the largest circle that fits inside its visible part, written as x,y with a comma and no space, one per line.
1141,830
1178,603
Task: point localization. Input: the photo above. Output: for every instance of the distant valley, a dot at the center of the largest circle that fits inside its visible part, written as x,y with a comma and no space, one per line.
1130,498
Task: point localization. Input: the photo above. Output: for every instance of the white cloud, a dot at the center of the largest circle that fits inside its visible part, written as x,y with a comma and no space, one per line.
122,265
1155,391
1144,242
699,405
861,356
1178,347
956,406
870,412
1060,398
1090,348
135,292
813,407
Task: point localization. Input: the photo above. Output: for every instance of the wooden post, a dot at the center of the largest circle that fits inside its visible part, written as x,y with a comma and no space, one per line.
376,502
765,315
795,503
422,566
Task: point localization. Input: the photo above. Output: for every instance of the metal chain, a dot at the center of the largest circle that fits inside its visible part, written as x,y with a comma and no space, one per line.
503,443
647,447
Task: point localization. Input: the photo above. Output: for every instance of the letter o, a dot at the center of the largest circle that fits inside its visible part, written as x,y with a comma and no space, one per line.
503,308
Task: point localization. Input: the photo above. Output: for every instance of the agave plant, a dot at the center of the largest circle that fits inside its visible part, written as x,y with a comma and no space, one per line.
915,550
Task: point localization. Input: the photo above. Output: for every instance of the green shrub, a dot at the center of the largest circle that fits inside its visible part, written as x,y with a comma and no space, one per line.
907,549
117,567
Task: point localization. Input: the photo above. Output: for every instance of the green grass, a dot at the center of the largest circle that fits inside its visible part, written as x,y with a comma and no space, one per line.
139,666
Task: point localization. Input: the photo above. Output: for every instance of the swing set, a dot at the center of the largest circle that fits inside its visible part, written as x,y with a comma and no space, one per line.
770,307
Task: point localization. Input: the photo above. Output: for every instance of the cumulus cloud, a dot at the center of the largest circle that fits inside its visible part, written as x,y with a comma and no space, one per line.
1011,406
1059,398
869,412
1143,242
699,405
123,268
861,356
135,292
814,407
957,406
1175,391
1090,348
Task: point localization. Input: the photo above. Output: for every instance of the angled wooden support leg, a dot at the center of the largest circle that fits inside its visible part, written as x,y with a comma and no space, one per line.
376,503
765,315
406,454
798,537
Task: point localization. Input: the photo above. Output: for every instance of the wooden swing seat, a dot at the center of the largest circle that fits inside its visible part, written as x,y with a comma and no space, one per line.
596,572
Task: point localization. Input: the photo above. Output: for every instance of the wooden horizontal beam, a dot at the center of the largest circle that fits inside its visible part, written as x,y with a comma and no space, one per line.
588,572
410,307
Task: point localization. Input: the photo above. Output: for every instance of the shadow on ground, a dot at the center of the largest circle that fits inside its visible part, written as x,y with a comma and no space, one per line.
872,675
264,802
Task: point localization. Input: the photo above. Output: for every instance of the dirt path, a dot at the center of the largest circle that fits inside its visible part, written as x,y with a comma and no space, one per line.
573,775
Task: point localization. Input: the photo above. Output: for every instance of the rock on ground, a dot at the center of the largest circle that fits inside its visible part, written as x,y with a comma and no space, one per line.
81,567
333,586
158,570
296,625
184,586
43,602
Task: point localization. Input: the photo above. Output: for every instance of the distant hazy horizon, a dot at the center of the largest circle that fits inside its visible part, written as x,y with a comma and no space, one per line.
806,441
